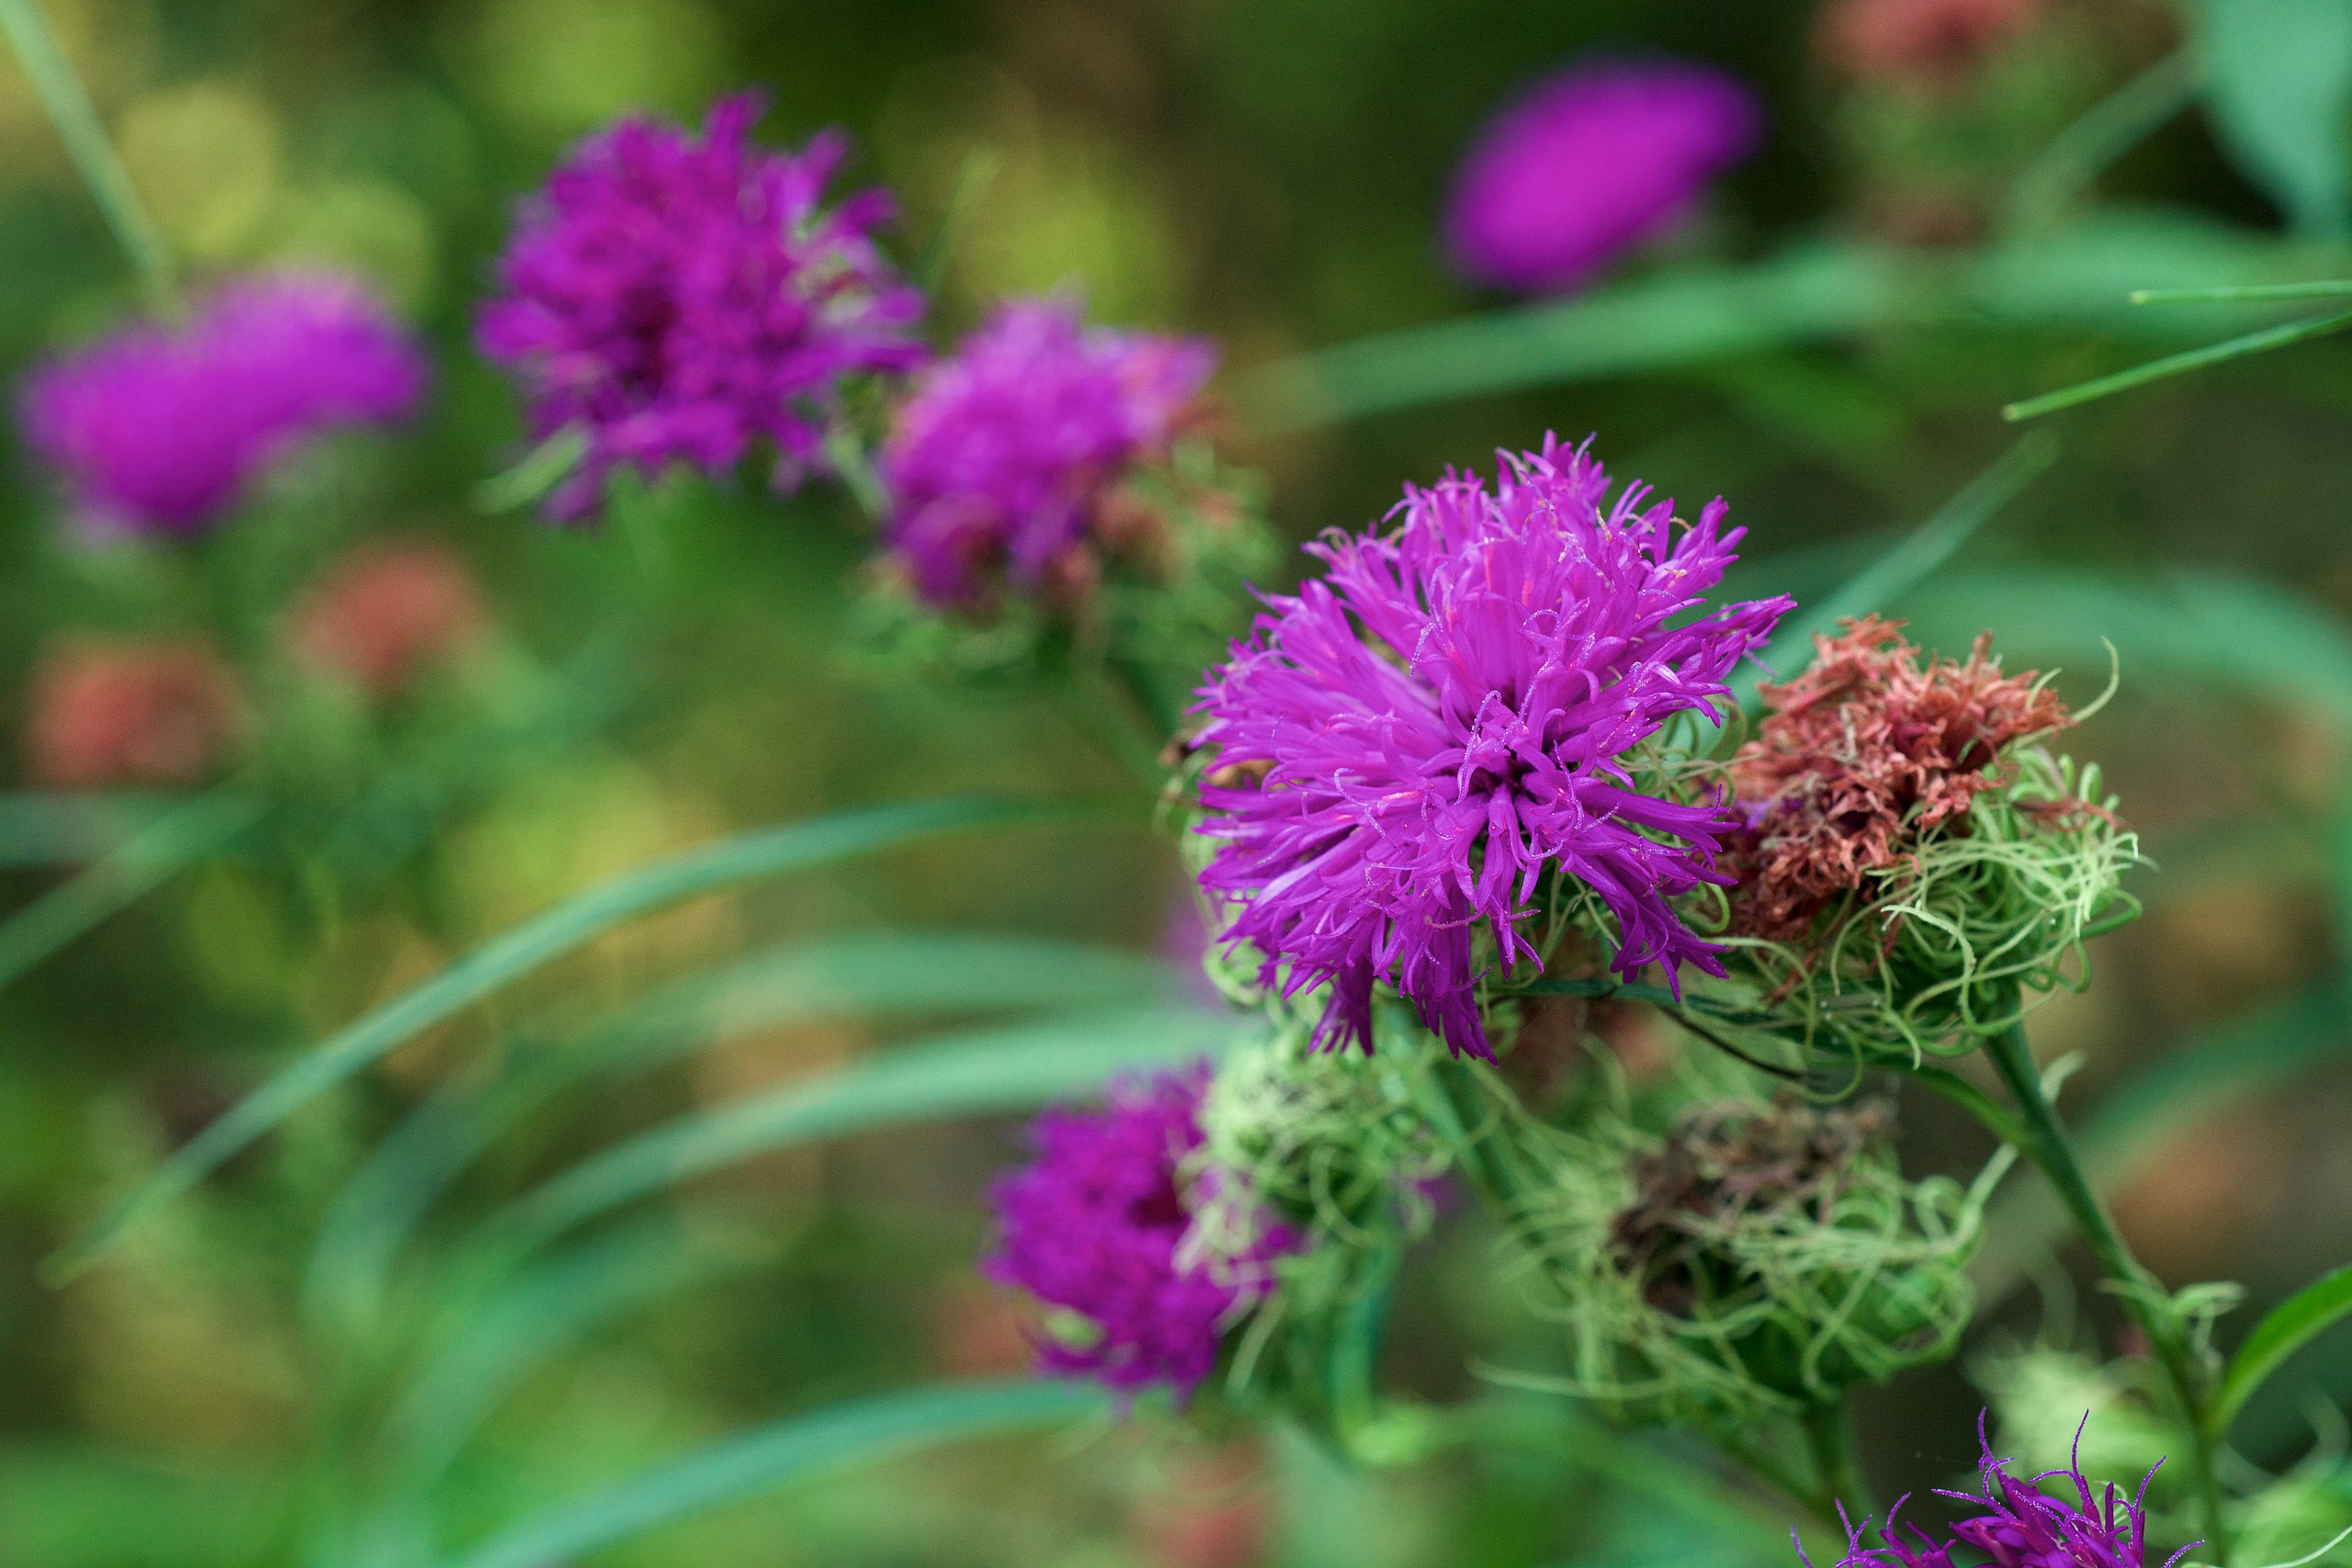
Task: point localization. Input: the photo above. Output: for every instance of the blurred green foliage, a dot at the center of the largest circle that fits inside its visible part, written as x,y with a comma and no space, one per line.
373,1337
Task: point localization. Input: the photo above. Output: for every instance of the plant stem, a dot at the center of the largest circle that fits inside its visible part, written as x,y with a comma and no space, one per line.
1829,1438
2045,1143
70,111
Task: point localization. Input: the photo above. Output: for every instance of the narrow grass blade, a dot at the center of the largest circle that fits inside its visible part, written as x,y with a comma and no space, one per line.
749,857
539,470
2106,131
2246,293
981,166
1910,563
70,111
1011,1068
168,844
2291,1325
75,829
759,1461
2175,364
1653,324
880,977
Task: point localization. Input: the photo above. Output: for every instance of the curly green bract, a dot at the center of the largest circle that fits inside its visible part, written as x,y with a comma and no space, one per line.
1345,1150
1979,921
1781,1286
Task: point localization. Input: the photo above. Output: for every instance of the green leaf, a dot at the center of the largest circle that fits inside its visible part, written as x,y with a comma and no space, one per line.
169,844
2278,88
2110,128
859,1432
748,857
875,977
75,829
1811,292
2291,1325
538,472
2269,338
966,1074
1911,562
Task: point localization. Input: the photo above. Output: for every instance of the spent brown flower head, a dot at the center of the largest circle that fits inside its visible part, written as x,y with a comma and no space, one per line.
160,712
1861,754
1723,1162
386,613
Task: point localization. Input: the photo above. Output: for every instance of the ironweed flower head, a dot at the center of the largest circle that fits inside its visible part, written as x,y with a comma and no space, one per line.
1005,459
158,429
160,713
1406,748
387,612
1097,1226
1861,753
1592,163
676,298
2023,1526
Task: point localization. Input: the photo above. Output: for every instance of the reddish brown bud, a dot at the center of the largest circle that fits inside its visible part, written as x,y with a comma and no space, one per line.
387,613
164,712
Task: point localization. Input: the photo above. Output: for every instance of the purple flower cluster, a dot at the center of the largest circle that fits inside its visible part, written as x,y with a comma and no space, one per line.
1097,1226
997,460
158,429
2023,1526
1588,165
1403,748
676,297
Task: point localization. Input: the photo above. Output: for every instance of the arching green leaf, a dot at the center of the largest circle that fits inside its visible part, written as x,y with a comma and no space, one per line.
761,1460
748,857
2291,1325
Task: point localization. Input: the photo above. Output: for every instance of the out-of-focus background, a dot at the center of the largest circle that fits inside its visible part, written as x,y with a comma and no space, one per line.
1267,174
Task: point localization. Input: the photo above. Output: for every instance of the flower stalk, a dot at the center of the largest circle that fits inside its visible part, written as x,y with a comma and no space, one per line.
2042,1139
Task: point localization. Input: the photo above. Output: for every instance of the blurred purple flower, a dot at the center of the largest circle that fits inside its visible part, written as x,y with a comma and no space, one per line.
1097,1226
1403,748
1591,162
2023,1526
677,297
998,459
157,429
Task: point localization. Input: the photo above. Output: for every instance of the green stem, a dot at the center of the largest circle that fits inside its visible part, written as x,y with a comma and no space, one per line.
2045,1143
2112,128
76,120
1108,715
1829,1439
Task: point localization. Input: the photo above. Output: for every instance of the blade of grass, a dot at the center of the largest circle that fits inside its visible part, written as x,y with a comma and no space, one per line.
879,978
2327,288
981,1071
168,844
2287,1328
859,1432
2177,364
75,119
749,857
2108,129
75,829
981,166
538,472
1911,562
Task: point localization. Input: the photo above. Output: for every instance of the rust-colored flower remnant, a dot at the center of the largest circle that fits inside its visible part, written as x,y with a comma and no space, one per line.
160,712
1858,756
387,613
1924,43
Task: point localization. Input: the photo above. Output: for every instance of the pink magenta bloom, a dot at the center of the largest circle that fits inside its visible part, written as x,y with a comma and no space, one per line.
1404,749
997,460
1591,163
158,429
676,297
1096,1225
2023,1526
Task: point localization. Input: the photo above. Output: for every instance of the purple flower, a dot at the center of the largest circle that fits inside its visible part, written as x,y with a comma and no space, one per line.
158,428
2023,1526
1097,1226
1591,162
999,459
676,297
1404,749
